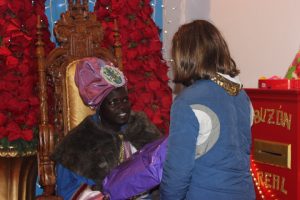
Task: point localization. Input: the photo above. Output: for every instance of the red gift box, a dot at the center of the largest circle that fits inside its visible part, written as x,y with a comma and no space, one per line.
279,83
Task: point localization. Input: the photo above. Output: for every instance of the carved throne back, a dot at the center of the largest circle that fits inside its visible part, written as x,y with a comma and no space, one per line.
79,35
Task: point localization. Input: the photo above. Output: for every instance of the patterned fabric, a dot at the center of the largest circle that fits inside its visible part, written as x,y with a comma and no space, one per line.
95,79
86,193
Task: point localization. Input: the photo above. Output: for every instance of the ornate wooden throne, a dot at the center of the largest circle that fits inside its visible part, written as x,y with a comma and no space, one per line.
79,35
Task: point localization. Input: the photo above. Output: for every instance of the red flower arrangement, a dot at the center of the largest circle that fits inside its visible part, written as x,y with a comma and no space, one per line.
19,107
141,55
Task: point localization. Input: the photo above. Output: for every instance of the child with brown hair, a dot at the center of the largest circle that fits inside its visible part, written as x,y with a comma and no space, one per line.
210,132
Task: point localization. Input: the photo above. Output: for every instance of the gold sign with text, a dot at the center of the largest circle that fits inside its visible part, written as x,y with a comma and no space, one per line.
273,116
271,181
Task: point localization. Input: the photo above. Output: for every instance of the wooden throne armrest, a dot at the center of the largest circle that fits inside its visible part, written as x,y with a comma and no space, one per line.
46,131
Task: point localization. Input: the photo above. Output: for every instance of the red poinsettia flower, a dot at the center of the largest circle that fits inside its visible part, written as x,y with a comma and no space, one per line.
33,101
27,134
123,22
4,51
19,38
155,45
12,26
17,106
150,32
166,101
18,77
3,133
4,3
145,97
105,2
102,12
11,62
11,76
31,119
2,24
131,53
135,4
11,86
15,6
24,68
3,119
147,10
19,119
154,85
141,55
136,35
5,96
149,111
30,22
13,130
27,84
117,5
157,117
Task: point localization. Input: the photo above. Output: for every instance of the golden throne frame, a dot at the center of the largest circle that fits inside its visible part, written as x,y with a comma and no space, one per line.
79,35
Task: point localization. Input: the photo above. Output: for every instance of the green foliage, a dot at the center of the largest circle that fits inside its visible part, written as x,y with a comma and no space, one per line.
289,74
20,145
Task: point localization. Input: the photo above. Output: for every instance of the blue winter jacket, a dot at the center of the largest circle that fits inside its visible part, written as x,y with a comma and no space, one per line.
219,167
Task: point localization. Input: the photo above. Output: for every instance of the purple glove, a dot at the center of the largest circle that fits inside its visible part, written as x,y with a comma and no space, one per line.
140,173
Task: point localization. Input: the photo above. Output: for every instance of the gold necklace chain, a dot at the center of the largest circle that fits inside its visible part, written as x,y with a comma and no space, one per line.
122,149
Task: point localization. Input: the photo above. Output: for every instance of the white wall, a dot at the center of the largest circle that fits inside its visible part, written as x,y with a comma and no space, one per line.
263,35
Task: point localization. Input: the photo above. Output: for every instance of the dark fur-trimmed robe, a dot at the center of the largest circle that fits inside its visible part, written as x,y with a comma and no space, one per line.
92,151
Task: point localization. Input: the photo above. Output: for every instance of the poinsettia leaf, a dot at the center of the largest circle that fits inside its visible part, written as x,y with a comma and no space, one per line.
289,74
4,142
131,16
132,45
107,19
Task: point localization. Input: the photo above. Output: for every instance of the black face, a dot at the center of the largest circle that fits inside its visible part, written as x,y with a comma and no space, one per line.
115,109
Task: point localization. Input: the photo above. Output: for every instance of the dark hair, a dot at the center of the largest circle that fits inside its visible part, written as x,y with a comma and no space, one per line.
199,51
